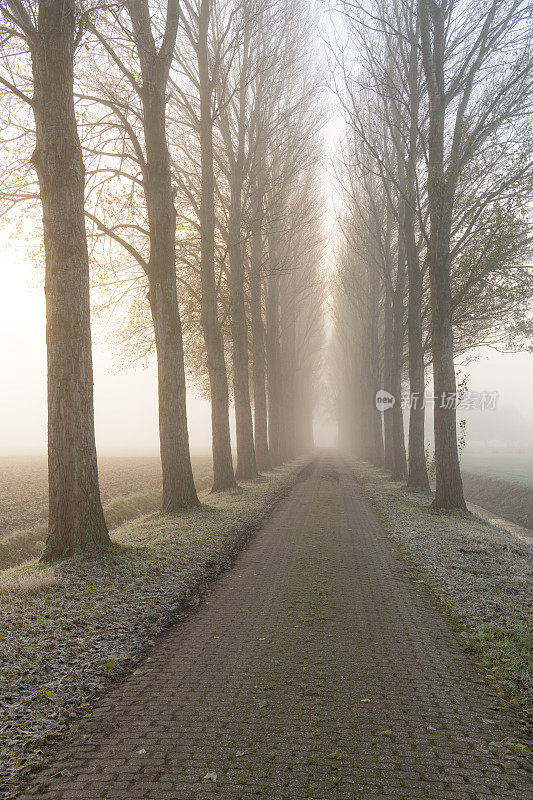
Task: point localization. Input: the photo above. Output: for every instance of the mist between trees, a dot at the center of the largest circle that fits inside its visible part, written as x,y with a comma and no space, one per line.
436,175
170,147
175,151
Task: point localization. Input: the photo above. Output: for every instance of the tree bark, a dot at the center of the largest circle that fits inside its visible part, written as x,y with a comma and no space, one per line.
246,463
178,484
75,520
223,475
388,458
289,375
399,465
418,476
235,141
376,424
367,406
258,330
378,454
449,485
258,363
275,444
417,470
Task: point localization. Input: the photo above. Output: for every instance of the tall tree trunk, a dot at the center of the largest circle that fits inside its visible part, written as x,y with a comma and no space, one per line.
367,391
449,485
223,475
418,476
275,444
417,470
246,463
388,460
378,454
399,470
75,520
258,332
290,382
367,405
370,423
178,484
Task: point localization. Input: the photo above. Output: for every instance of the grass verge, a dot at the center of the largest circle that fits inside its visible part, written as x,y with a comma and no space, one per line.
23,545
483,575
67,632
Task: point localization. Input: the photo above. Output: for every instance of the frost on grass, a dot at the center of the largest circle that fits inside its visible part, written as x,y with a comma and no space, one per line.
485,575
60,646
30,580
120,479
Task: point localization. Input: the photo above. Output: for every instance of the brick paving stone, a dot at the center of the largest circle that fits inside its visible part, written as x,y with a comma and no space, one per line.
315,668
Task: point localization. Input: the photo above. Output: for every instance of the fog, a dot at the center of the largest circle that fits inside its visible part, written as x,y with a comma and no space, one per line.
316,260
126,398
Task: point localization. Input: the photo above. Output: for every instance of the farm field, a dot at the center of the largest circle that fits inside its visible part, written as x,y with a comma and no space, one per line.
504,500
24,485
514,468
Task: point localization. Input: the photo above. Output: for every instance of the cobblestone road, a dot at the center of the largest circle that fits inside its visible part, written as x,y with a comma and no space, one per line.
316,668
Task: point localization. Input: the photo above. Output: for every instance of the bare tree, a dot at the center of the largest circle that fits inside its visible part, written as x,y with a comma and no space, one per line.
459,51
210,35
52,30
233,121
391,85
257,251
142,51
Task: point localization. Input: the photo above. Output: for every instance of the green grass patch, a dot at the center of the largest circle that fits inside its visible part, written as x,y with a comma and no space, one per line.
506,657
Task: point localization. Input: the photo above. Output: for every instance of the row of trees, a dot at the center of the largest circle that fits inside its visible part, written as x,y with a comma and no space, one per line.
173,147
436,177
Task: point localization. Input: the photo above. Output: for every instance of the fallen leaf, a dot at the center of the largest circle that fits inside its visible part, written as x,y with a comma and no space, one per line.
210,776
